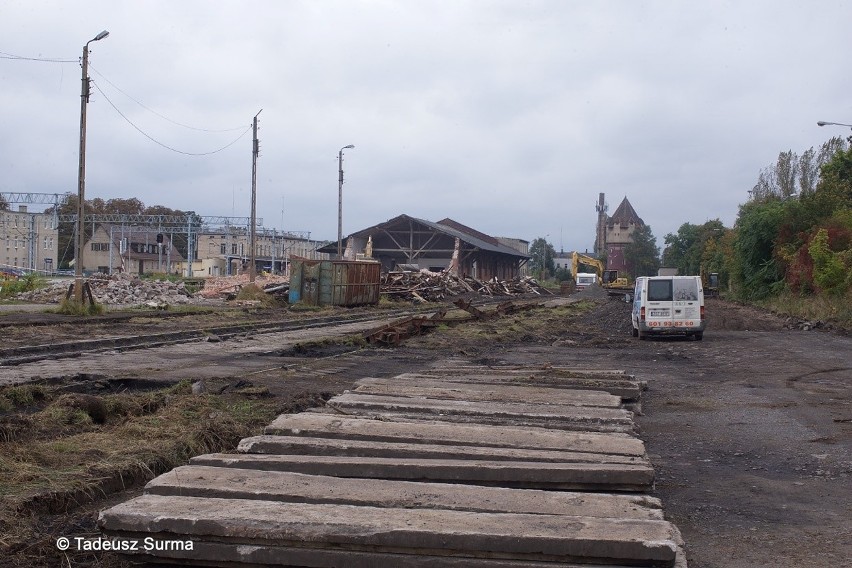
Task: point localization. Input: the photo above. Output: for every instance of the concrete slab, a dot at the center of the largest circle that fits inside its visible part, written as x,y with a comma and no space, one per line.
559,417
507,536
326,426
527,475
491,408
617,385
224,555
525,369
219,482
446,390
555,423
296,445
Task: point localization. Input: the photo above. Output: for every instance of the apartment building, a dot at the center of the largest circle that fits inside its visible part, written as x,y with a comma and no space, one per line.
28,241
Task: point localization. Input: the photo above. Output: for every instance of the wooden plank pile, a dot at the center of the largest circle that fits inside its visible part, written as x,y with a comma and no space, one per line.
426,286
451,467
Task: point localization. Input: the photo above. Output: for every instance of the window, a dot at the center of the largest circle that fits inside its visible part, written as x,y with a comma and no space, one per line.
223,248
686,289
659,290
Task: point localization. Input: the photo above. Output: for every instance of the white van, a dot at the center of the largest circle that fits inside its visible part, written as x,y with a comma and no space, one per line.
668,305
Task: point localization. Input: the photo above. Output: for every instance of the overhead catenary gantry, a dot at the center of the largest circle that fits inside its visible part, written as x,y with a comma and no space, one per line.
34,198
177,221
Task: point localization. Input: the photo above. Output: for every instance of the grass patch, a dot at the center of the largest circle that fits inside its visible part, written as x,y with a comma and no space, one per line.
21,396
25,283
832,309
253,293
302,307
61,457
71,307
70,447
534,325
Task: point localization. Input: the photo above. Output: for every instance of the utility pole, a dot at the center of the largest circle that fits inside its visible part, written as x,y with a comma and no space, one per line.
81,174
253,238
189,254
340,201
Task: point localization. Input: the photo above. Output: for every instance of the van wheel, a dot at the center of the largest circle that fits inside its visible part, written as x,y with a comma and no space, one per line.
699,336
640,335
634,332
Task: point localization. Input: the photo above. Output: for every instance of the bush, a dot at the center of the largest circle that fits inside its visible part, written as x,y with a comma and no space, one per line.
830,273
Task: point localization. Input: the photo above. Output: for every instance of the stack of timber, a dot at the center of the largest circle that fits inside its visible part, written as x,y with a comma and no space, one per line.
456,466
426,286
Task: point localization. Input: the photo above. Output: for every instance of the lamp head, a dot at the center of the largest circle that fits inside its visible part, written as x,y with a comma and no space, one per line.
821,123
349,146
100,36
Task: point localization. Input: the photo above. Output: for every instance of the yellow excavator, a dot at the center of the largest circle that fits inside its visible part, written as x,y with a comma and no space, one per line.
583,266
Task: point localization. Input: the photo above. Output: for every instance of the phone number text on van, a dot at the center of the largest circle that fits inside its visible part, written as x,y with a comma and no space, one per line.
671,324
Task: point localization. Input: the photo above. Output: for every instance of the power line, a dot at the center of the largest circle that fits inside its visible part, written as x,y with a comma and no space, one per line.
167,147
4,55
157,113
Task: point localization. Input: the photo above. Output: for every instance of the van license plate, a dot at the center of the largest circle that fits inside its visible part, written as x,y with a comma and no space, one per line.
659,313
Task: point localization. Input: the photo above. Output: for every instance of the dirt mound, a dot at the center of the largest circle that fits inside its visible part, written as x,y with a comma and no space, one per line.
730,316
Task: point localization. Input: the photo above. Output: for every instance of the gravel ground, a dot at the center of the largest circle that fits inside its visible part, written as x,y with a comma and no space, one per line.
750,430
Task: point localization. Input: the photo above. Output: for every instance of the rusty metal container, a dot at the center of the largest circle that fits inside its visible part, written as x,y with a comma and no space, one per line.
334,282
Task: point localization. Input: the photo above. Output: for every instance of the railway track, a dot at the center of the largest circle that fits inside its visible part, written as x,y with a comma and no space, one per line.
52,349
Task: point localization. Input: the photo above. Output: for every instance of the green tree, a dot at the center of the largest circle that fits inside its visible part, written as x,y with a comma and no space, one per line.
541,261
562,274
642,255
755,268
687,250
681,250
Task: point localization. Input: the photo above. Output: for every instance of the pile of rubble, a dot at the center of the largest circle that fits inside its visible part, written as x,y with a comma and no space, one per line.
426,286
225,287
120,289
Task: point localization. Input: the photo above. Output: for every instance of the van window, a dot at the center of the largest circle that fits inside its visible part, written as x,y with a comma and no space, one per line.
686,289
659,290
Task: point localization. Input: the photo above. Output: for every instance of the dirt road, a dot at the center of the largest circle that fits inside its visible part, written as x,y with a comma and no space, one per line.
750,430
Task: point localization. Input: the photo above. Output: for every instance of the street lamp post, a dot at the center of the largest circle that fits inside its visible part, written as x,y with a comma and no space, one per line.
81,173
823,123
340,200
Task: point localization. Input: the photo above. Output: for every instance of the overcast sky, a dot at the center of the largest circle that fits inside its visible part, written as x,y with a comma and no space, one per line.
507,116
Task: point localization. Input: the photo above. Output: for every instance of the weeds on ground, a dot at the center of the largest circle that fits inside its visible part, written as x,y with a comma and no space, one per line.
71,307
538,324
833,309
253,293
59,450
26,283
302,307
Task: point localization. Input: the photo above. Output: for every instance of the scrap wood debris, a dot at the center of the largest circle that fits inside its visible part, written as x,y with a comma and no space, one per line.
427,286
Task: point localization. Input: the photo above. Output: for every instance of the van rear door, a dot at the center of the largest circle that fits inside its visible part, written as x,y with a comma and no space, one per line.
686,307
659,306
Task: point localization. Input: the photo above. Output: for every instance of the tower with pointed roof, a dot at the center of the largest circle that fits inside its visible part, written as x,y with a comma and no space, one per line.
617,231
